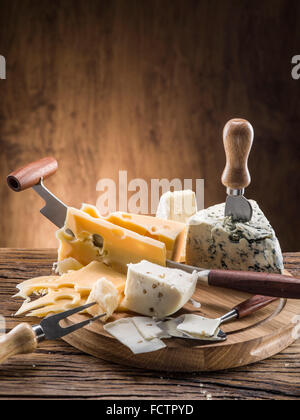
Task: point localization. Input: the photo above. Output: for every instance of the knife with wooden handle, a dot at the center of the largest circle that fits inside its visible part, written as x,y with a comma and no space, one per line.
275,285
238,139
32,176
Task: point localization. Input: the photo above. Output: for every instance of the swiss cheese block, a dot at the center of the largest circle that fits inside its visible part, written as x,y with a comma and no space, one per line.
157,291
171,233
68,289
177,205
107,297
88,238
216,241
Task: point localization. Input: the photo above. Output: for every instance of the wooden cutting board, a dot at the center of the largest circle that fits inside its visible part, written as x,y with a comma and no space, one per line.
257,337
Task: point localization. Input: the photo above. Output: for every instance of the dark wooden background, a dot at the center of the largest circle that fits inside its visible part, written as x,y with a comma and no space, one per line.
147,86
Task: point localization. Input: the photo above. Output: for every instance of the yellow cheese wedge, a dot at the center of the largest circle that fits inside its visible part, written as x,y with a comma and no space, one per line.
171,233
88,238
66,291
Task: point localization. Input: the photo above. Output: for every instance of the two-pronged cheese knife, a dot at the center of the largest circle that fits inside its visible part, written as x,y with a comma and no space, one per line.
24,339
238,139
250,282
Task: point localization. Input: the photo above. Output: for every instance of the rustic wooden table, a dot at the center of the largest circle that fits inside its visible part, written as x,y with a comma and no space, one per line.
57,370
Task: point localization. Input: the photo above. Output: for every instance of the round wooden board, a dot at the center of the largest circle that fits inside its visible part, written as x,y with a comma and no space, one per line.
257,337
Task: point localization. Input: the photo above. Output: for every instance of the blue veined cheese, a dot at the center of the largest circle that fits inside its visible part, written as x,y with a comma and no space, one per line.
216,241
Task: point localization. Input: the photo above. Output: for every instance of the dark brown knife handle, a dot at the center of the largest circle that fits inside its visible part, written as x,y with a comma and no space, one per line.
238,137
253,304
30,175
268,284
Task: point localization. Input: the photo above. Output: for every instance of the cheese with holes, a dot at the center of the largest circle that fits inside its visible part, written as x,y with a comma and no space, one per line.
107,297
125,331
216,241
60,292
171,233
87,238
177,205
157,291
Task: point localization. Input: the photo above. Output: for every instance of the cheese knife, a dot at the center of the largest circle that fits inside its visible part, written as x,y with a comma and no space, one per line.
25,338
240,311
270,284
32,176
238,139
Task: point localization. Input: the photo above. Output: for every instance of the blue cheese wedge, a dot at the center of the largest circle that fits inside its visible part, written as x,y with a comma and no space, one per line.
216,241
157,291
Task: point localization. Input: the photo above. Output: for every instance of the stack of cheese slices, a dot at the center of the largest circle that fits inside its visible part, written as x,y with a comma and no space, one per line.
119,262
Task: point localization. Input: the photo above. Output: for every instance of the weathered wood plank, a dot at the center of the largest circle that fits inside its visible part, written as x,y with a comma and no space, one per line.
57,370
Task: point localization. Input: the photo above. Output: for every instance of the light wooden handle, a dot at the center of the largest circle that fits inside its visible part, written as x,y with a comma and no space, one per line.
30,175
238,139
253,304
21,340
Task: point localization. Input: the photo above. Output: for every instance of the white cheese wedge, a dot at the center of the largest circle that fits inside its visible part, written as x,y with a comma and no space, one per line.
157,291
125,331
216,241
106,295
198,326
178,206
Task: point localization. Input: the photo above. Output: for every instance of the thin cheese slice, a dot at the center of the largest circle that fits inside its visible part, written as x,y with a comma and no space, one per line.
147,327
53,302
69,264
198,327
55,290
125,331
120,246
171,233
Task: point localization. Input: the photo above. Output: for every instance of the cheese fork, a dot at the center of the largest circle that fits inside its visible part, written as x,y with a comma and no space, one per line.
24,338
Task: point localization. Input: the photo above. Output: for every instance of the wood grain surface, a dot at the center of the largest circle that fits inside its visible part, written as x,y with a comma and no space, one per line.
136,85
57,370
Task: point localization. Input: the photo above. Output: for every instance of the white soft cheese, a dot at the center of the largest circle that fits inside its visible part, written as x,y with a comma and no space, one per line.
198,326
157,291
125,331
106,295
178,206
216,241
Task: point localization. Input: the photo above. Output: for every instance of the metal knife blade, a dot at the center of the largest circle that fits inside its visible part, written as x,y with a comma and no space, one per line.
238,207
54,210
